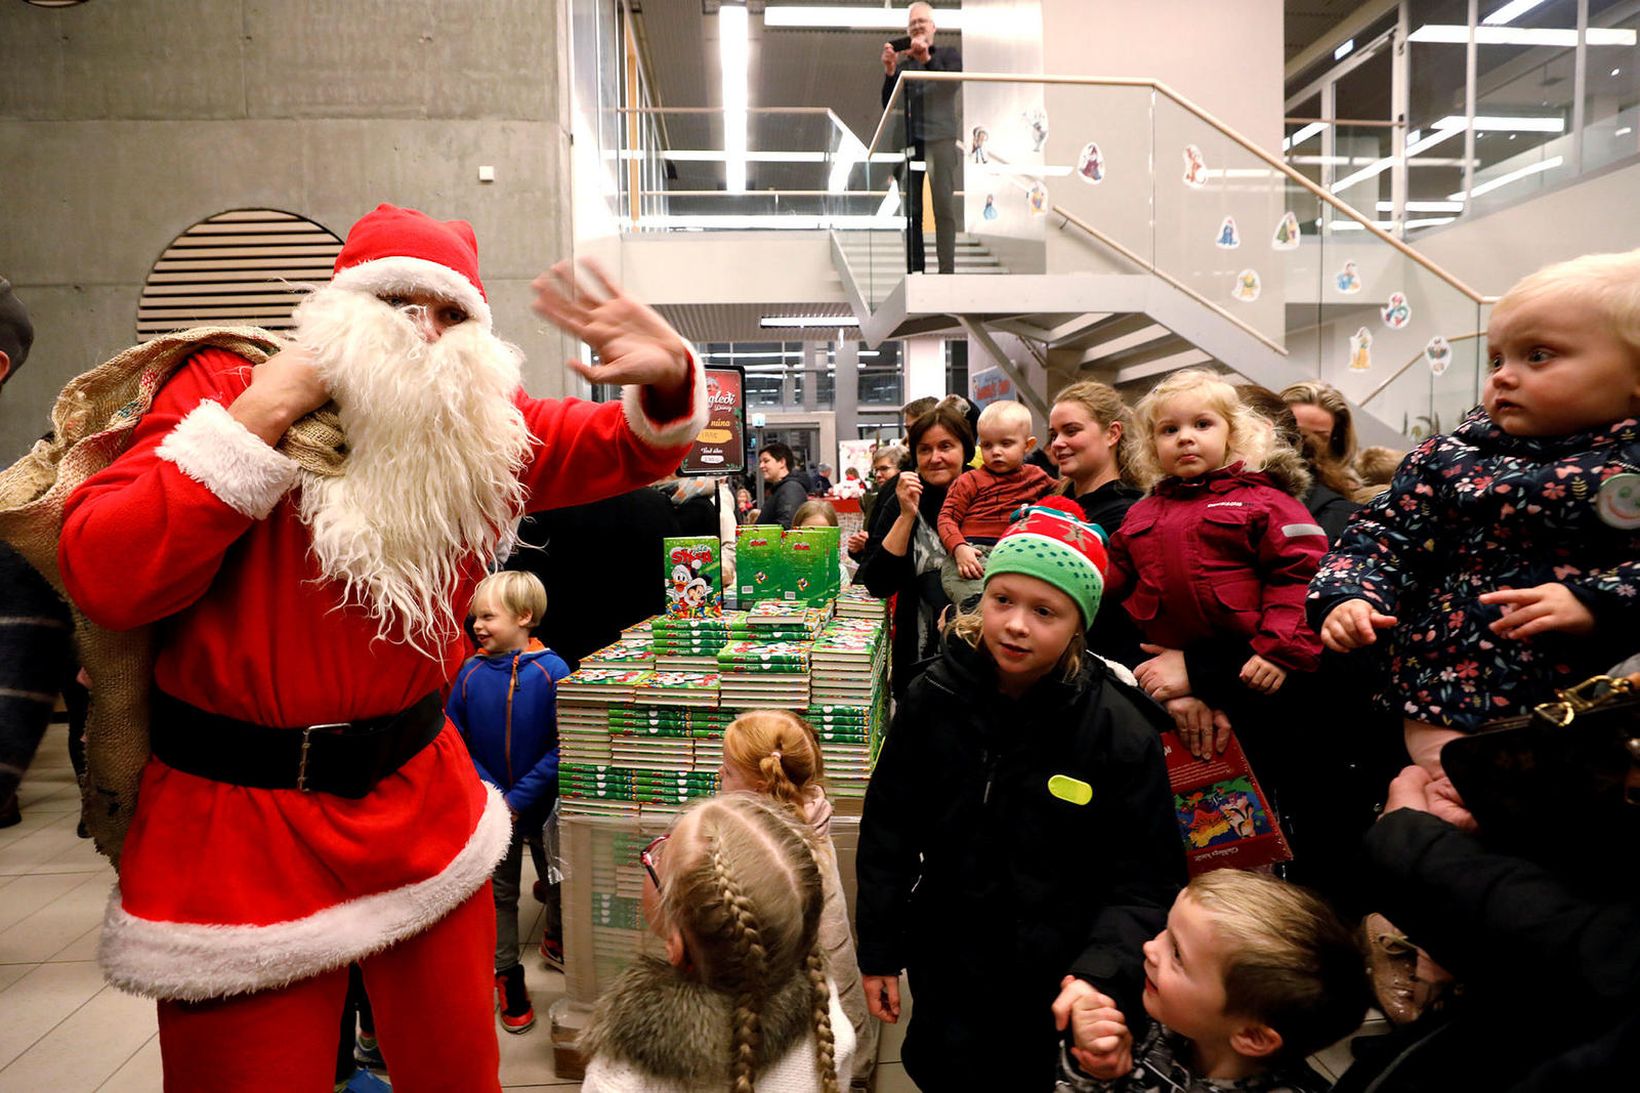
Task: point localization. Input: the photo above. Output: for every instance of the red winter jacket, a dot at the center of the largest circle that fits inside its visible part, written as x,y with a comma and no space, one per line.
1226,554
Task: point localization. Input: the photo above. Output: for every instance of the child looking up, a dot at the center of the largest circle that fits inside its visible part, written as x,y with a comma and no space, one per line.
1503,561
1012,759
775,753
504,701
980,503
1219,549
734,892
1250,976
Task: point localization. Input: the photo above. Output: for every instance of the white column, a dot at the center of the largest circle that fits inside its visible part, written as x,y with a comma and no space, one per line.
925,368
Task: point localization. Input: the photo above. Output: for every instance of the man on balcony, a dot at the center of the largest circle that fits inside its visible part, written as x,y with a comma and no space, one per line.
932,129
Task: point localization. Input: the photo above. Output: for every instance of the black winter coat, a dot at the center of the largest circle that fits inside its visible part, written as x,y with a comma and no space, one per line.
967,859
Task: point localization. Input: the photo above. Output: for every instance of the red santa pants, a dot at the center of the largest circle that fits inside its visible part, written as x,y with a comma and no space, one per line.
434,999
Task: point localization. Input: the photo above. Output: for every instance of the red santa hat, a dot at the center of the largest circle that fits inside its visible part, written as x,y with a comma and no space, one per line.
393,250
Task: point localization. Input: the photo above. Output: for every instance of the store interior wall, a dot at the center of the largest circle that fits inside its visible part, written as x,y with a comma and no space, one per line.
123,124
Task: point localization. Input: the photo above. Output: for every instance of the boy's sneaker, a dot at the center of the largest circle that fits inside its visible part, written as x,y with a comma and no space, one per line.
552,951
517,1014
367,1052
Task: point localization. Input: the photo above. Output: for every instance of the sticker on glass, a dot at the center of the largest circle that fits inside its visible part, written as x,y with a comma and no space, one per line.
1195,167
1348,279
990,211
1247,286
1037,199
1439,354
1397,313
1287,234
1090,165
1038,121
1361,350
1618,502
1228,238
976,146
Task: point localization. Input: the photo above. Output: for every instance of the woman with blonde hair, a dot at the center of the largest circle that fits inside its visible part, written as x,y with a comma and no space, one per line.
735,894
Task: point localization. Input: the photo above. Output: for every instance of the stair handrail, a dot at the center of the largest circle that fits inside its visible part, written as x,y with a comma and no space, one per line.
1211,121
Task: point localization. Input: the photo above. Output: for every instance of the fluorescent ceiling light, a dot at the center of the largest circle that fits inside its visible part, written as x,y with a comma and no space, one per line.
1304,134
1458,34
1509,11
1513,176
1424,206
770,321
1505,123
843,17
1344,50
734,51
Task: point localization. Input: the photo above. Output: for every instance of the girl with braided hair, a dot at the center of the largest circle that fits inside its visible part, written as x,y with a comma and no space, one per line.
777,754
735,894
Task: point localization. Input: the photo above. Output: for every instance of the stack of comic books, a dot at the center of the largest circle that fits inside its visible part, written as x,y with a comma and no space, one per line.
626,653
688,645
847,661
755,675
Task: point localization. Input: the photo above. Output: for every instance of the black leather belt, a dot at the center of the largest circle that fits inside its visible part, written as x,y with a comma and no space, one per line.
343,758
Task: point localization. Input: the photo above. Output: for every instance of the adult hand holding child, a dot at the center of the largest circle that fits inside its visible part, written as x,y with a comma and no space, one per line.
1103,1042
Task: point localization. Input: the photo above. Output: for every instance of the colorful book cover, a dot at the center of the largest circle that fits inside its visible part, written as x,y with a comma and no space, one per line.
759,562
811,555
694,577
1224,817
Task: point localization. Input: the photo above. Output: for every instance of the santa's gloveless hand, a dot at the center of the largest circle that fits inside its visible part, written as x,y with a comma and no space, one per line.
284,388
634,344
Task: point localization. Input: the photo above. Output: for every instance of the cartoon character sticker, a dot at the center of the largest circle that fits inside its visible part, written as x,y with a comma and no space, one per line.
990,211
1036,199
1361,350
1090,165
1195,167
1397,313
1618,502
1037,119
1439,354
976,146
1287,234
1247,286
1228,238
1348,279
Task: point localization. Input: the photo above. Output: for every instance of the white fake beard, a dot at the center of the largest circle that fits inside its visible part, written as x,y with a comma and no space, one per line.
434,446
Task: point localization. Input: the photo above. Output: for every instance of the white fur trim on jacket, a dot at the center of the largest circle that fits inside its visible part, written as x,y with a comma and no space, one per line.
214,449
191,962
404,274
668,434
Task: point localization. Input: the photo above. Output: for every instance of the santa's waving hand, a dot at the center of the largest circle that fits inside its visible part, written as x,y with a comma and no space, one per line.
307,805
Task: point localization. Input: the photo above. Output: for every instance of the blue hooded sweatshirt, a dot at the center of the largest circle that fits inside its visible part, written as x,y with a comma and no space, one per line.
507,710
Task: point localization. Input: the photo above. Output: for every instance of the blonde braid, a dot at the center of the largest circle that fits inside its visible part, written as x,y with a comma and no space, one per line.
748,1023
825,1056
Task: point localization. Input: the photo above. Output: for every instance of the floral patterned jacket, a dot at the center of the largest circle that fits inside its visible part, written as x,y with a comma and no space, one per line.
1477,510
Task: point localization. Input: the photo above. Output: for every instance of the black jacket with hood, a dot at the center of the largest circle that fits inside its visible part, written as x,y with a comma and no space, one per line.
1034,836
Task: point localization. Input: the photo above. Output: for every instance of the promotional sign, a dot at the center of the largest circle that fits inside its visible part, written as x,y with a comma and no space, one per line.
721,446
989,385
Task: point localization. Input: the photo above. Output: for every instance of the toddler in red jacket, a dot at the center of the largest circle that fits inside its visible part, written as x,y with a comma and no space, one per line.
1220,548
981,503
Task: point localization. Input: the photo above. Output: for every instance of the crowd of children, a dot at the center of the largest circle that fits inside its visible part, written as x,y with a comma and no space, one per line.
1019,827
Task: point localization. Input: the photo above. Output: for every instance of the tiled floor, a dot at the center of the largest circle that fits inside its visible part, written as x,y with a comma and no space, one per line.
66,1031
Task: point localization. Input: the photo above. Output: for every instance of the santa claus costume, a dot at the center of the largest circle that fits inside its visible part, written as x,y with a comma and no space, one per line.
303,809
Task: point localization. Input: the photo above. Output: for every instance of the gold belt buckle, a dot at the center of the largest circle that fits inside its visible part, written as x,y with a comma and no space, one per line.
307,743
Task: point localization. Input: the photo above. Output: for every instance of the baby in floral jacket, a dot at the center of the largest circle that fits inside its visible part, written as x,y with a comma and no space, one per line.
1503,561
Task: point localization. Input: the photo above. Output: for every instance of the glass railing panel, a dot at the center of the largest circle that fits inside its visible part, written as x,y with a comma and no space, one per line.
1095,171
1611,121
1219,208
1303,272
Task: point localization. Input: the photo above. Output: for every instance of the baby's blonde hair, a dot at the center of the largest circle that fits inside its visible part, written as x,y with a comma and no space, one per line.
517,592
1611,282
743,888
1006,414
778,750
1251,437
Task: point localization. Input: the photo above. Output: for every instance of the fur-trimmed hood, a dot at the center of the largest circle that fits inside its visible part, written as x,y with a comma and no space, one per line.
674,1028
1287,470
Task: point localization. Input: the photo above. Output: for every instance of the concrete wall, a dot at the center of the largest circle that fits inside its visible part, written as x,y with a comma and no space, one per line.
122,124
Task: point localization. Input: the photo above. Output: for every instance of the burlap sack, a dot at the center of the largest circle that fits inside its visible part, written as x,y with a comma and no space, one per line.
92,423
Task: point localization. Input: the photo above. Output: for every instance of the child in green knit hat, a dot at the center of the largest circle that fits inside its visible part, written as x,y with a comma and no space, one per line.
1020,804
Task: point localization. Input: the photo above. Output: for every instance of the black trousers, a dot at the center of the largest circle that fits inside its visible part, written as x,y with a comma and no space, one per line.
941,162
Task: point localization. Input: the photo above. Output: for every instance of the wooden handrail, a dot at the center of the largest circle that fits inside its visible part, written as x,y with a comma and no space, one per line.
1401,371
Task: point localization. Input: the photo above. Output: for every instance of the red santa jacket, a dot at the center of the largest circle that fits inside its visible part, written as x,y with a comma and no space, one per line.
225,889
1226,554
